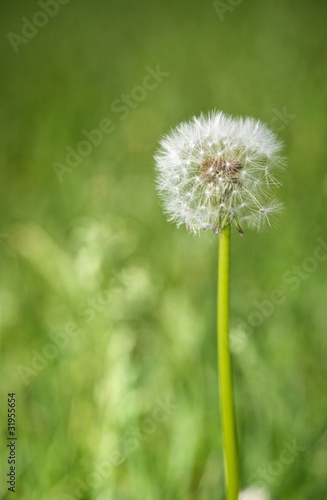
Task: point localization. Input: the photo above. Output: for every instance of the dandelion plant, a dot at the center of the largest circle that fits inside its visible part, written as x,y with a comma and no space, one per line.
215,172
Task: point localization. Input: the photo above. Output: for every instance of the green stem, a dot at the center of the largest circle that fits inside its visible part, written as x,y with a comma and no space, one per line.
225,370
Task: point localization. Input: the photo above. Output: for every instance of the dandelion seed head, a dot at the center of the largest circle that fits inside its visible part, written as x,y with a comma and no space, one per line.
216,170
254,494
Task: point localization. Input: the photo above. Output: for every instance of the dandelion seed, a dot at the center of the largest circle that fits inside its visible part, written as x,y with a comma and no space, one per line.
233,163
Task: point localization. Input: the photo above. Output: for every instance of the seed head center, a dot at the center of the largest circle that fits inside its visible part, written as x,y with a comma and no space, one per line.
214,170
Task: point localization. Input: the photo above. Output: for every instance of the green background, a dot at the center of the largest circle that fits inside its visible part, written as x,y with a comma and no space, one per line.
101,235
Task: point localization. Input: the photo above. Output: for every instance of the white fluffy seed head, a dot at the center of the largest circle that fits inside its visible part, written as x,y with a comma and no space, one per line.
216,170
254,494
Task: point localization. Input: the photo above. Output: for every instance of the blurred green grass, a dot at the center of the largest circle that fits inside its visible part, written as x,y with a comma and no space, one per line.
102,228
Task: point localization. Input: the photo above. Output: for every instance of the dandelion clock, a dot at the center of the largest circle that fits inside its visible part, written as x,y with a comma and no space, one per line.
215,172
